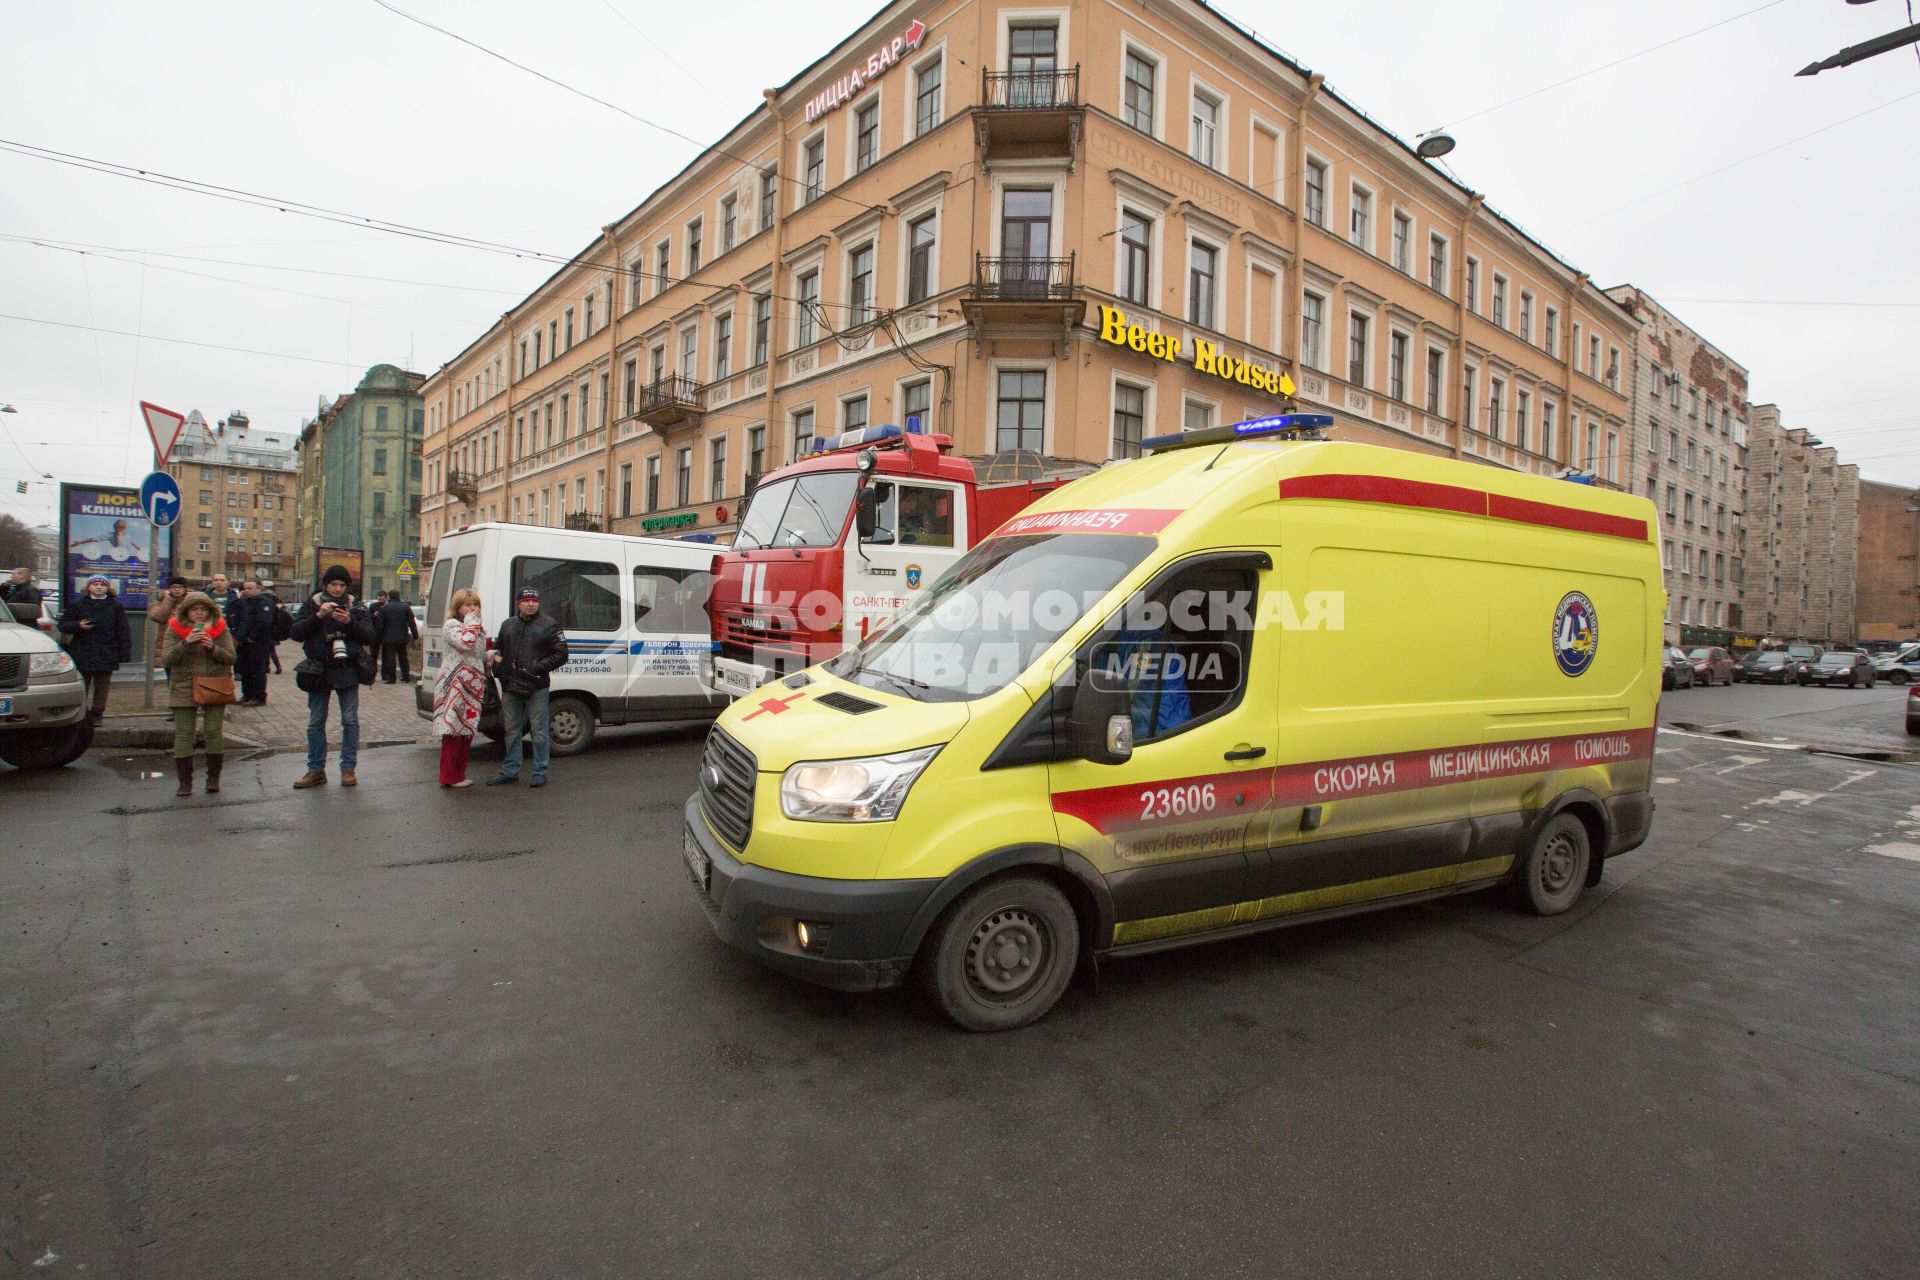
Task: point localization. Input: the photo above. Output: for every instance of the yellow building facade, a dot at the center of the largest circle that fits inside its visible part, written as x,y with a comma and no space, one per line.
1051,228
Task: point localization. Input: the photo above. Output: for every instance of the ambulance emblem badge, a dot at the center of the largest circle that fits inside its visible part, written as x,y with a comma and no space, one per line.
1576,633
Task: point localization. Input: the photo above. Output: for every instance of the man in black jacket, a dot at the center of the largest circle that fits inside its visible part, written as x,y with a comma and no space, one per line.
530,648
250,618
19,588
334,630
394,621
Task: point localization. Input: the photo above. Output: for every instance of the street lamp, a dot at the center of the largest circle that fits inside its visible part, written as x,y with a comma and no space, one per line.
1433,144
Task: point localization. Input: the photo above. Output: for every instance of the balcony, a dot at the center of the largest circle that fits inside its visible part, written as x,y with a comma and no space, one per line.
464,485
585,521
671,401
1028,115
1023,291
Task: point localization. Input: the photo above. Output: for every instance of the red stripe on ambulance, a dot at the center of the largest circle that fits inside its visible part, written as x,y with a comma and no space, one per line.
1392,491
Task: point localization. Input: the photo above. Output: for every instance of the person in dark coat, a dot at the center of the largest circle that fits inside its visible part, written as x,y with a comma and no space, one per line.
95,631
251,620
397,628
334,631
19,588
530,648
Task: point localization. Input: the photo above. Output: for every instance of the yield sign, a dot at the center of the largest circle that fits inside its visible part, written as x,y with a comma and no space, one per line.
164,426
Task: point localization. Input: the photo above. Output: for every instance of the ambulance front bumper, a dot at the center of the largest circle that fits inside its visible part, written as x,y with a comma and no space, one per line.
856,929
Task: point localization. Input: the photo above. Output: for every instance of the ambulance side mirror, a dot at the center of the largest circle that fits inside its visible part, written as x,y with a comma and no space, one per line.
866,511
1100,723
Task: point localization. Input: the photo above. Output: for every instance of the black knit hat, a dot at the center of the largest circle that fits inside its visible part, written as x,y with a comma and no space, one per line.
337,573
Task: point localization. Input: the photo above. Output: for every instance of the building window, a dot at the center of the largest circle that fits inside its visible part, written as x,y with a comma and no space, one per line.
379,462
565,416
1402,241
626,488
813,165
1026,230
1196,415
762,326
926,97
1021,411
1206,129
1499,300
694,241
1202,271
1522,415
1436,378
769,190
1613,367
866,136
860,285
1548,445
536,349
1136,101
1550,339
717,469
1136,256
916,401
629,389
1613,458
809,301
1593,364
1593,446
1360,218
802,433
1357,350
920,245
1437,263
1129,419
1496,408
1466,398
1317,192
589,319
722,346
756,452
683,477
657,359
690,353
853,413
1687,507
1526,316
729,223
653,483
1313,314
662,277
1473,285
1032,52
1397,366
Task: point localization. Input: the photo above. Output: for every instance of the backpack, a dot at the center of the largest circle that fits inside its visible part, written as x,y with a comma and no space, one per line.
282,624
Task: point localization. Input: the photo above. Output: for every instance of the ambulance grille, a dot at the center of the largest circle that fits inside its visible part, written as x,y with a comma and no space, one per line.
727,774
847,702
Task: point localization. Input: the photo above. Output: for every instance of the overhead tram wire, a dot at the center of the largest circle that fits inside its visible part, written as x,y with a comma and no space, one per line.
183,342
257,266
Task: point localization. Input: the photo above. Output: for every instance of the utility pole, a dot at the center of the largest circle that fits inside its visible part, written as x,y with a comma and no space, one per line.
1861,52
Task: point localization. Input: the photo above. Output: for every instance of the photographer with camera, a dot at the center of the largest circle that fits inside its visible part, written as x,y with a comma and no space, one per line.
531,647
334,630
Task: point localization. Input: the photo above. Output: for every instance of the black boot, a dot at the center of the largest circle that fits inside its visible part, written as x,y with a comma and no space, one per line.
185,765
214,761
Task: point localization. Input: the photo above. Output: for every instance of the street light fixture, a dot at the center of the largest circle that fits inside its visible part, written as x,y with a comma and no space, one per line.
1433,144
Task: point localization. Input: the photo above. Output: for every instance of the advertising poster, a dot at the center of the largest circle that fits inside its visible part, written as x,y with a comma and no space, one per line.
103,531
351,557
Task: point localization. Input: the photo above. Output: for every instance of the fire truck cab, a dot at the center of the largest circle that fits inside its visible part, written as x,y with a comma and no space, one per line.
833,545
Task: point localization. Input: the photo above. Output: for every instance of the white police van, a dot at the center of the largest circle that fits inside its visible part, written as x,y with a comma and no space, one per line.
634,610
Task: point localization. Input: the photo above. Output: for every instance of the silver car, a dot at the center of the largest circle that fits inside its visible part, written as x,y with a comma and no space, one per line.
43,702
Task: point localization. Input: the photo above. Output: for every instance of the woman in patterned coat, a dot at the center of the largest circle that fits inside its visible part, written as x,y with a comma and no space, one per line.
462,686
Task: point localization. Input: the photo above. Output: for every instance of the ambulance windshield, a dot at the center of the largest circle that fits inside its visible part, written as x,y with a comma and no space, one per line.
806,511
992,615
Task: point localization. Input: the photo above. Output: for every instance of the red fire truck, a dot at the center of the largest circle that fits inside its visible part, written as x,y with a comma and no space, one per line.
833,545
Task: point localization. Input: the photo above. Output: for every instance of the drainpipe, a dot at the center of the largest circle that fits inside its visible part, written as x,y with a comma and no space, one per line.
776,440
1297,162
1460,314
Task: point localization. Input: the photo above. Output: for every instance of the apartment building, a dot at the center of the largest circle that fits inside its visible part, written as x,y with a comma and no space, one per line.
1057,229
1887,566
1689,425
237,498
1803,519
360,475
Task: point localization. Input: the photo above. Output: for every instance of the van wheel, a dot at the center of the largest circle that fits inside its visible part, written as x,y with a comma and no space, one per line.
1001,956
46,748
570,726
1897,676
1552,874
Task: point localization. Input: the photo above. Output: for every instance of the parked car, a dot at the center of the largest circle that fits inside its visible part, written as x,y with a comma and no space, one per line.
1678,670
1850,667
1913,710
1711,665
43,704
1900,664
1773,666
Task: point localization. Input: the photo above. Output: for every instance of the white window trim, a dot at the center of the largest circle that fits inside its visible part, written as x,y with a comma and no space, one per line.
1062,51
991,411
1145,53
1315,360
846,398
1373,222
1475,269
1222,135
1523,315
872,244
1220,265
1440,409
800,168
1501,287
908,217
1346,349
1414,258
899,404
815,261
1213,406
1150,389
1155,225
1279,273
875,96
680,350
733,340
1005,178
909,128
686,249
1446,273
1268,186
653,266
1313,158
1407,372
1551,348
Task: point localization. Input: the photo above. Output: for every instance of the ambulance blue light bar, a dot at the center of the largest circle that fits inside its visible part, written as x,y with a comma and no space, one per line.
1293,426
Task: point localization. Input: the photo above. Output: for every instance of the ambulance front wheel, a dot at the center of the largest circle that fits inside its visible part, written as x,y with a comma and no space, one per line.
1001,955
1551,875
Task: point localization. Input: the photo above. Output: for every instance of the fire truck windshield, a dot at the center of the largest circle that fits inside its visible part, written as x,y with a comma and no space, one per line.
806,511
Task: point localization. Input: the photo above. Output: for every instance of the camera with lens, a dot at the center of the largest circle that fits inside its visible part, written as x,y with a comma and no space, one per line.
337,648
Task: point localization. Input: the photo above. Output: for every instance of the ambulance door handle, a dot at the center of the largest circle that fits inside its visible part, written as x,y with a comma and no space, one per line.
1246,753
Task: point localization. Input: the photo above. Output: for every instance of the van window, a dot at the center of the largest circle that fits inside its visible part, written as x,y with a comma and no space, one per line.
913,515
463,570
582,595
439,590
1182,651
671,601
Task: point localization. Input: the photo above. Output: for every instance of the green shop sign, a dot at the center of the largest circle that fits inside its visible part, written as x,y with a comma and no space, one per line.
653,524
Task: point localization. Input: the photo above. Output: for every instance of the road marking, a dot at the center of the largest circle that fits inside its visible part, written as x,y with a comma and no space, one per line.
1801,798
1722,738
1853,778
1743,762
1897,849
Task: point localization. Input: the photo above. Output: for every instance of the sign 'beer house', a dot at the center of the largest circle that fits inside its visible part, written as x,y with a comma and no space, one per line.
1206,357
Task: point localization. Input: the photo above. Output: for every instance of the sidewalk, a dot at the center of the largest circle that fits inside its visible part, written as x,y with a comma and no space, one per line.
386,715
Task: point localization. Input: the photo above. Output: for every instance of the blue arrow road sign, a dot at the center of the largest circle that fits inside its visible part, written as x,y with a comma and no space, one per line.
160,498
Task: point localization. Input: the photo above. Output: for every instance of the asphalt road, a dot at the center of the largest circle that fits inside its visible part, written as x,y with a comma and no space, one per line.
398,1031
1835,718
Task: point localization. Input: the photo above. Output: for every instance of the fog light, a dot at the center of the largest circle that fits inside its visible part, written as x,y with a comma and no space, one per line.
812,937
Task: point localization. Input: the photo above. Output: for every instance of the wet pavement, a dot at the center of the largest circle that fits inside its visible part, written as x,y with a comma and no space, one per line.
1835,719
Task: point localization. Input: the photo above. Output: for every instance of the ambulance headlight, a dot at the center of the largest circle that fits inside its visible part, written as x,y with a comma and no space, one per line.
870,789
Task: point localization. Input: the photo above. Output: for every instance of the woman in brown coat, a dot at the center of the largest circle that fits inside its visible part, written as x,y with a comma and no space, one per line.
198,644
160,613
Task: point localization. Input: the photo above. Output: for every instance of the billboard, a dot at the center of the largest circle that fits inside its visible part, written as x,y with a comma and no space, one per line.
352,557
104,531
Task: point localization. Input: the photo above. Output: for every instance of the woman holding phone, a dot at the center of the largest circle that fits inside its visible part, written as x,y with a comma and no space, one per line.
95,632
462,686
198,656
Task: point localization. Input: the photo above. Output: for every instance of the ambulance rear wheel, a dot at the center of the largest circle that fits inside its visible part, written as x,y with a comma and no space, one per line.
1551,875
1001,956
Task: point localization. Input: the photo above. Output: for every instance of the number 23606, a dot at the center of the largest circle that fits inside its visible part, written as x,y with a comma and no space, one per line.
1176,802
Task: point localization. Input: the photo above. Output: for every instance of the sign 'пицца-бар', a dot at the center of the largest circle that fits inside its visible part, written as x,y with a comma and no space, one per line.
865,73
1206,357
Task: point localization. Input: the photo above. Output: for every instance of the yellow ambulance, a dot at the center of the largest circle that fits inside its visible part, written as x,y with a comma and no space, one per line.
1246,681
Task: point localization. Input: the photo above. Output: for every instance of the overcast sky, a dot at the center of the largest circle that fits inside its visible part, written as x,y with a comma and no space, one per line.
1801,264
